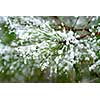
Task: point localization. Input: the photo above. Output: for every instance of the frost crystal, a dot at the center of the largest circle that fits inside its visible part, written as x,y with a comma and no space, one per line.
60,51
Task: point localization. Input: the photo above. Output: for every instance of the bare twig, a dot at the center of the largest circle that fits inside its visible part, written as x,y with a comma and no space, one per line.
75,22
88,22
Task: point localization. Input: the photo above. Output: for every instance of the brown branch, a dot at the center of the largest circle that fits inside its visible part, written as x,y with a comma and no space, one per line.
83,36
67,28
79,38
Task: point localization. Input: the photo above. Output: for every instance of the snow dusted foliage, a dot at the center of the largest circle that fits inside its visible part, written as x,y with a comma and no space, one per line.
38,45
